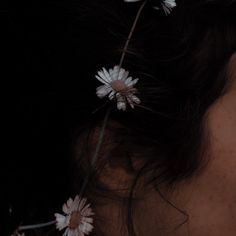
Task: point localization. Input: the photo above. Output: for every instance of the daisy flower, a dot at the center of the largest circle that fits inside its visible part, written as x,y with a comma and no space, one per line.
117,85
166,5
77,218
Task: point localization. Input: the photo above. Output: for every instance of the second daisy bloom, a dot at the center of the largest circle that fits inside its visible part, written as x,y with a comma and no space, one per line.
76,218
117,84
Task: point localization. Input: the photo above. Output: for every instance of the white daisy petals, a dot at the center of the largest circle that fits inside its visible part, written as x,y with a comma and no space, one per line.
77,219
61,221
170,3
117,85
121,102
166,5
16,233
103,90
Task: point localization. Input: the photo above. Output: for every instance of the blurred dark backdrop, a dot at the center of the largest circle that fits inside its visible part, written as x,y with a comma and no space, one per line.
55,48
48,59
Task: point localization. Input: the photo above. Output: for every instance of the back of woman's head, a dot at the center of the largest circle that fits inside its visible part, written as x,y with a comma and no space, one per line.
182,65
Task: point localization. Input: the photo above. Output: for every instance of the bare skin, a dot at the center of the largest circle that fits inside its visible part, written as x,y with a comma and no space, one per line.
213,199
209,198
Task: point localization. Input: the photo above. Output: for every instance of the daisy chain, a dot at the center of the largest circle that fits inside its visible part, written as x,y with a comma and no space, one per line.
77,218
117,85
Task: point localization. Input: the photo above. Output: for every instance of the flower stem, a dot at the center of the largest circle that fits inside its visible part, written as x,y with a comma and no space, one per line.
131,33
101,136
36,226
98,147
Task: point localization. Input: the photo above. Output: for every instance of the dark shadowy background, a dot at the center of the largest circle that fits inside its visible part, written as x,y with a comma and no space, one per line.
49,56
54,51
55,48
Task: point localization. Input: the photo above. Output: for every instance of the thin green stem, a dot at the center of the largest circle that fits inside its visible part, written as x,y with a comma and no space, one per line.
131,33
98,147
36,226
101,137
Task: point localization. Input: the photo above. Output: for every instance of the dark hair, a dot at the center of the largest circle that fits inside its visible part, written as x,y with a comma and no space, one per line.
183,71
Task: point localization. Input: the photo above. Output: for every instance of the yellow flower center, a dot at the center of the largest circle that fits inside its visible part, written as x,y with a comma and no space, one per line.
75,220
118,85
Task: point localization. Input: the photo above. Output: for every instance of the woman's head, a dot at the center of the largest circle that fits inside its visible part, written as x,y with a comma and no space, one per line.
171,125
186,68
184,93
